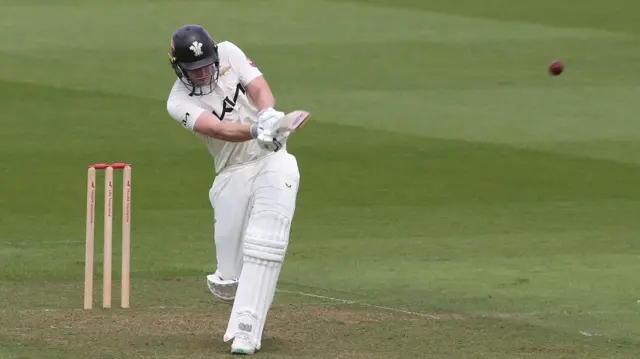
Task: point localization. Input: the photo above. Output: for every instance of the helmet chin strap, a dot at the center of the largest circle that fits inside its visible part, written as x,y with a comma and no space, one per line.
193,86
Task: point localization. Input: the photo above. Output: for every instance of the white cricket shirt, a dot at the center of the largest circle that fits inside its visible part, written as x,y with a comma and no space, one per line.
228,102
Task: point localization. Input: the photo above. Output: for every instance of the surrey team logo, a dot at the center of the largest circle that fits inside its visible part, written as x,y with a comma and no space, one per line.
196,47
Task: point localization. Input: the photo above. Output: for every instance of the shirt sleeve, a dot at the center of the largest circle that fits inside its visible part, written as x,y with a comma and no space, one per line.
243,65
183,108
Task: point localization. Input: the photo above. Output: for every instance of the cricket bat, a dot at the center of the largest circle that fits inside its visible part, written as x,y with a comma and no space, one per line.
294,120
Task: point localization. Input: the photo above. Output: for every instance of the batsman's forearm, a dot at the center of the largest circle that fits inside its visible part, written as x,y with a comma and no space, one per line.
262,96
233,132
265,99
260,93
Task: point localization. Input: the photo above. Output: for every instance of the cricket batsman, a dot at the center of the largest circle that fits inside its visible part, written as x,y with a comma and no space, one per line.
222,97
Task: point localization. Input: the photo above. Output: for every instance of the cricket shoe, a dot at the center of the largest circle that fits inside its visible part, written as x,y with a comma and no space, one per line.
242,345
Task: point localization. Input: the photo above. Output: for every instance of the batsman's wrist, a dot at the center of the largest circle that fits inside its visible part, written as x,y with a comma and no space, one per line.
253,130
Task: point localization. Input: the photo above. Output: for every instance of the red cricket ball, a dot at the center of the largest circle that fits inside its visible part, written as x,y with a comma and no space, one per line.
556,67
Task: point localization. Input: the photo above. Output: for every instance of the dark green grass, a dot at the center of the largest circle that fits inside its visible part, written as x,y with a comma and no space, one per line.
444,173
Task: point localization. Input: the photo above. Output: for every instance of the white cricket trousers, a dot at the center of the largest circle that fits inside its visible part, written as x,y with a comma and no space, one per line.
268,184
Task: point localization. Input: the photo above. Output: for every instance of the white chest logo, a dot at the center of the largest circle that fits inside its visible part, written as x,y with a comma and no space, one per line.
196,47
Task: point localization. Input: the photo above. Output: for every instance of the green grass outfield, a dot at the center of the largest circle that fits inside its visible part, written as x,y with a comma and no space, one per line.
456,200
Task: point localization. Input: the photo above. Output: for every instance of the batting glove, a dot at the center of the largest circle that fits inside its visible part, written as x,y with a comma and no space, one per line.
270,119
266,140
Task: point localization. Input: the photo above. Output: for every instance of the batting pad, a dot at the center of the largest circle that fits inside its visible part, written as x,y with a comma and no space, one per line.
264,251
